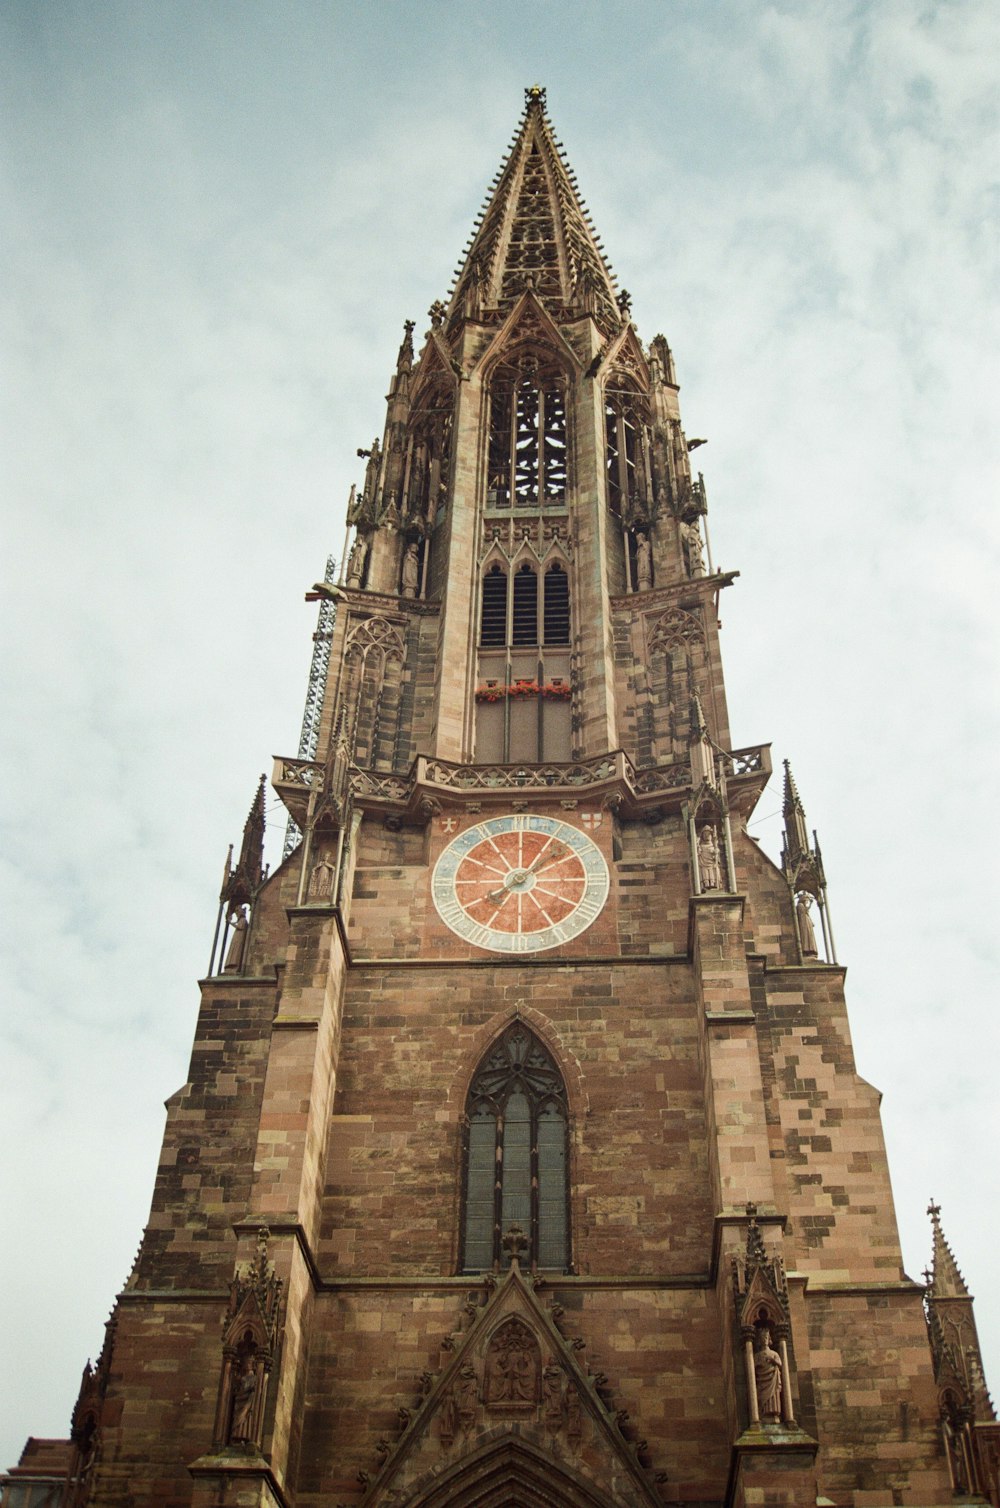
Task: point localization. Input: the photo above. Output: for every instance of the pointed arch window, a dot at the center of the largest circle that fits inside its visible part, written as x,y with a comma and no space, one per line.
527,445
516,1161
626,418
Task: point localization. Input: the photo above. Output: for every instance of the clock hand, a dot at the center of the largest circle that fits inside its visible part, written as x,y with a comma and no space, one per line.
541,862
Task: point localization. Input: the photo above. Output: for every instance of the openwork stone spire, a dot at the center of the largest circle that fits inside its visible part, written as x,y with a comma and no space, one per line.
534,232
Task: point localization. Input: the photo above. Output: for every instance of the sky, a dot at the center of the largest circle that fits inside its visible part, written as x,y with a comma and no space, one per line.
217,218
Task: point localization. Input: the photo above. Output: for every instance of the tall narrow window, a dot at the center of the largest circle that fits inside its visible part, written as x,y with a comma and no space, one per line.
556,613
493,633
527,463
525,606
523,691
625,434
516,1165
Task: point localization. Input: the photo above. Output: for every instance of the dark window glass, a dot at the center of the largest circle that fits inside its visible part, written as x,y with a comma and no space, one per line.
556,606
493,630
525,607
516,1170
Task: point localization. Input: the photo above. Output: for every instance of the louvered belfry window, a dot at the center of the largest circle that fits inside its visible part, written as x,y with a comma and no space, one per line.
516,1165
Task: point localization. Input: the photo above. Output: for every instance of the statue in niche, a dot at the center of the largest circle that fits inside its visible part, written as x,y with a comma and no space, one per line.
321,881
512,1367
574,1416
237,943
244,1397
709,859
806,930
447,1418
694,560
767,1376
643,562
356,561
411,569
466,1396
552,1399
956,1455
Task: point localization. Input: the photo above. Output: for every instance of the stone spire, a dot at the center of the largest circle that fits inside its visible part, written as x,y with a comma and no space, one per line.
946,1281
796,834
241,884
952,1324
534,232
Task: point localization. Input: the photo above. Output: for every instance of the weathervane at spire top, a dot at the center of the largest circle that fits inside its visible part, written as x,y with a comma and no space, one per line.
535,96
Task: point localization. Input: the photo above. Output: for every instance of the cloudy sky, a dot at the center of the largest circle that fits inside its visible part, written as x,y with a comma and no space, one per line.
217,219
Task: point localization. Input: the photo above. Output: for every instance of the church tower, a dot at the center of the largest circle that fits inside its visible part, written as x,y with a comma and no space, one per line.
523,1159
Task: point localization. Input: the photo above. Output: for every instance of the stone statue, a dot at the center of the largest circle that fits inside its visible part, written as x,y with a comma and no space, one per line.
447,1418
411,570
467,1396
244,1394
767,1376
693,557
237,943
643,562
807,932
709,861
574,1415
356,561
512,1366
321,881
552,1399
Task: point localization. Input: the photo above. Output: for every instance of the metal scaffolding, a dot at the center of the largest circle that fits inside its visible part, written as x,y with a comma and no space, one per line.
309,736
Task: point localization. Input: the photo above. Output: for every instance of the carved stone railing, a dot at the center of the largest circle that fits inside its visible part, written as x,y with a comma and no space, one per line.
754,761
612,777
519,777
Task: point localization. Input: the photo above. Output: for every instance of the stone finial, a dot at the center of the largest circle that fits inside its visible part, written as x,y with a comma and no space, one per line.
515,1243
534,97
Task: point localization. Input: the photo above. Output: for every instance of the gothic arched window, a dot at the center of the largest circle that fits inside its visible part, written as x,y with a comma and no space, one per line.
516,1163
527,448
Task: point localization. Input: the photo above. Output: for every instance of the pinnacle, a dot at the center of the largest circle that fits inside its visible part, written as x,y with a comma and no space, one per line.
534,231
946,1280
792,802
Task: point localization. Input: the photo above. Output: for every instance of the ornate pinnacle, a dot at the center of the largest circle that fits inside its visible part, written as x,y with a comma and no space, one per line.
946,1280
796,833
534,97
242,883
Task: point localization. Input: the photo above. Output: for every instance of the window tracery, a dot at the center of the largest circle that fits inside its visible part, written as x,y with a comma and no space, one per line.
627,450
527,462
516,1155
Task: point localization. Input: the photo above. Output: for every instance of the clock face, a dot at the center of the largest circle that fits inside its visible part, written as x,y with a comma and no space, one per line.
520,884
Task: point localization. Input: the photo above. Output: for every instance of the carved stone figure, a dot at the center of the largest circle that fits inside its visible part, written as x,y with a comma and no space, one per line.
512,1367
709,861
356,561
807,933
552,1400
574,1415
767,1376
694,560
467,1396
244,1395
447,1418
237,943
411,570
643,562
321,881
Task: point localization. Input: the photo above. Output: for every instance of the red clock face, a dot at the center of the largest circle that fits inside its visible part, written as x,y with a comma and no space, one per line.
520,883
